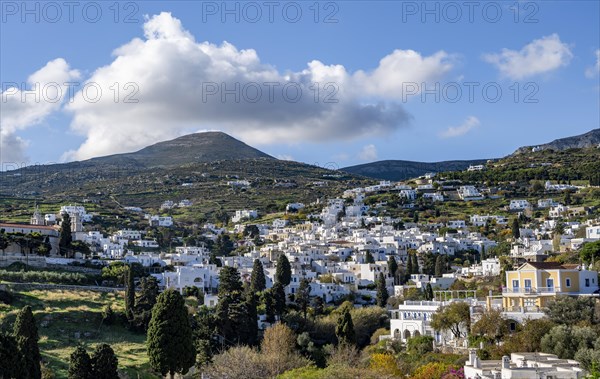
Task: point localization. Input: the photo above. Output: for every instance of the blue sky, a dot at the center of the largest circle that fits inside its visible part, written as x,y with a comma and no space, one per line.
384,63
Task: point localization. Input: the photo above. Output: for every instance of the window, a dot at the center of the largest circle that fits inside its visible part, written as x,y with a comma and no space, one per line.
568,282
515,284
587,282
527,285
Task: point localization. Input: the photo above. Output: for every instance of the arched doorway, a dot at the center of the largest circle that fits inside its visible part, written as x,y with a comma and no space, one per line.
406,334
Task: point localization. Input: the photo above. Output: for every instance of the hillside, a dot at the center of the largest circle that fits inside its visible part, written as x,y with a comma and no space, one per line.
586,140
401,170
568,165
192,148
197,167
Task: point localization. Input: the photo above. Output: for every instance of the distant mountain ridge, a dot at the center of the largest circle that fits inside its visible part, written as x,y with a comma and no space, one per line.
586,140
402,170
191,148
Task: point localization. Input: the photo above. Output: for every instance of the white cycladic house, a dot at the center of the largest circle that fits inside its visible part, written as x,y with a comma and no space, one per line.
518,205
479,220
413,319
204,277
244,213
522,366
592,232
457,224
467,193
165,221
74,210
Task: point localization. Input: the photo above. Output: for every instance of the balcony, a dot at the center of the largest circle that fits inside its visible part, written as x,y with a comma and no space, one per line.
531,290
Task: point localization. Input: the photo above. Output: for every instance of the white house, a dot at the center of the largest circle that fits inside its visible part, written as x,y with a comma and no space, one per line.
169,204
50,218
522,366
478,167
184,203
205,277
280,223
467,193
592,232
490,267
294,207
557,211
546,203
436,196
457,224
409,194
413,319
519,205
244,214
165,221
479,220
76,210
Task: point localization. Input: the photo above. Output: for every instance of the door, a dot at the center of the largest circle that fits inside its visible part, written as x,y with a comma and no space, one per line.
515,285
527,285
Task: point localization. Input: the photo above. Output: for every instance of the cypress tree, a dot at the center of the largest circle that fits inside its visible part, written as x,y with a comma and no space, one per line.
428,292
409,266
170,344
303,296
382,292
142,312
229,281
318,305
205,328
516,233
243,318
344,329
26,334
80,365
231,310
369,258
11,359
439,265
283,272
65,238
130,292
392,267
416,264
104,363
258,282
269,306
279,299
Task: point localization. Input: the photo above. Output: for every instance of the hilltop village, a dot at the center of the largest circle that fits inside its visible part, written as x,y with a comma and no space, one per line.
465,286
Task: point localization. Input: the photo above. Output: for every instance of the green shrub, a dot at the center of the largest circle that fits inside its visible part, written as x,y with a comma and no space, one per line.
73,278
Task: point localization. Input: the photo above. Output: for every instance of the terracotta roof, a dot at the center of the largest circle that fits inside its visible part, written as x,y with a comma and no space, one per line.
27,226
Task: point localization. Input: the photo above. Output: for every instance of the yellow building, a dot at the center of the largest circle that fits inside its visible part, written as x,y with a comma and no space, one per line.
533,285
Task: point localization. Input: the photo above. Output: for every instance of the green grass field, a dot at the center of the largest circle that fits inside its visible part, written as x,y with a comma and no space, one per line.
62,316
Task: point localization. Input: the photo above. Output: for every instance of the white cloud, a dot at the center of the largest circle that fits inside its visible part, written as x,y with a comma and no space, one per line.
368,153
540,56
469,124
285,157
26,105
175,76
593,71
403,67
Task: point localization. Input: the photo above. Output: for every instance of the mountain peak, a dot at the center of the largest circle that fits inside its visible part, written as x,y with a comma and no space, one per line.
190,148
